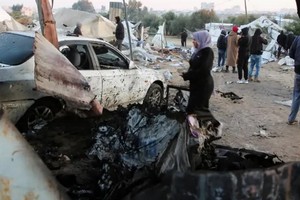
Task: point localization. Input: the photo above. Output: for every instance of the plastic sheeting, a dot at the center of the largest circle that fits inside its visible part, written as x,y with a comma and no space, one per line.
159,40
93,25
143,142
8,23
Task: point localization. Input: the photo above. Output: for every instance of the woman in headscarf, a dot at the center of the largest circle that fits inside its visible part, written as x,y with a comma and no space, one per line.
201,80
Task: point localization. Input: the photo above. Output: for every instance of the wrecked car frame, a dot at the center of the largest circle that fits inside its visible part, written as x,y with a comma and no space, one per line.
111,76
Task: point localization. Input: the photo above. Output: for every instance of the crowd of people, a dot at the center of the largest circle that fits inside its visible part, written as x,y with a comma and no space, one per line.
236,48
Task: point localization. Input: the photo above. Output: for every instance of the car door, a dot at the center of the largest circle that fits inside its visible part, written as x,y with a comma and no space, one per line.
120,84
85,63
56,76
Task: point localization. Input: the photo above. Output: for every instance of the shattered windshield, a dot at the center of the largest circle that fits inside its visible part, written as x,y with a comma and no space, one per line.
15,49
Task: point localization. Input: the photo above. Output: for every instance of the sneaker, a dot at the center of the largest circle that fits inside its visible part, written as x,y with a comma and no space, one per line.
292,122
250,79
256,80
246,82
240,82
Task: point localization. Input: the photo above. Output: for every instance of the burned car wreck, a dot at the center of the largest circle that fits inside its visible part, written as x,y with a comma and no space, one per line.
105,75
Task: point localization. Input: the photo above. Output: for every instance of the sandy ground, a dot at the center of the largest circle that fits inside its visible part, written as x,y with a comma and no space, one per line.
256,113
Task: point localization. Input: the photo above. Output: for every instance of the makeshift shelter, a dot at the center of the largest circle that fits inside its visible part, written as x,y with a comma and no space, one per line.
264,23
271,30
7,23
159,39
132,31
93,25
215,29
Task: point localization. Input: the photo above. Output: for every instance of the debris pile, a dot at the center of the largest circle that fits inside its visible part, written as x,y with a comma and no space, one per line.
131,151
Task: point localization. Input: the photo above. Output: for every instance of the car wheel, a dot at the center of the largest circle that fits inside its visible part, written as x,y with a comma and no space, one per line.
154,96
38,115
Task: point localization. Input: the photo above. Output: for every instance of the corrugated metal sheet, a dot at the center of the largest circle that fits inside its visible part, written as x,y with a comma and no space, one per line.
22,174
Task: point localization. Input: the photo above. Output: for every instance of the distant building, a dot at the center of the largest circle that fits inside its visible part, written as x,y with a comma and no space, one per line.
207,6
115,9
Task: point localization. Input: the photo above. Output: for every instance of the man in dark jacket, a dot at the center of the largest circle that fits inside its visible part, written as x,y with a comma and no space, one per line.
183,36
256,50
77,30
221,45
281,40
119,32
295,54
243,55
289,40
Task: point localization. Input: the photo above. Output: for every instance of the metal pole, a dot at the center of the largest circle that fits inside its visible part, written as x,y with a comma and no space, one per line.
41,16
128,31
246,11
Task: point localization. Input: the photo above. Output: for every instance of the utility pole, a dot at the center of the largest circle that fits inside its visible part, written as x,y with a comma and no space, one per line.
47,21
246,11
128,31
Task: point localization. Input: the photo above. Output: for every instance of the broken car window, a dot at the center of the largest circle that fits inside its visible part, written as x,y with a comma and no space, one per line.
108,59
20,48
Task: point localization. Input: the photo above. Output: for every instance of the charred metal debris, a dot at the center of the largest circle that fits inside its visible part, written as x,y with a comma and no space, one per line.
136,154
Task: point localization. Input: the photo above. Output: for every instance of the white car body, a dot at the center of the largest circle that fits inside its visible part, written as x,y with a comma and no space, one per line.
113,86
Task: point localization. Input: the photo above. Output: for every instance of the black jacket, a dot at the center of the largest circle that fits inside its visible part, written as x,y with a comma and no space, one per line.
77,31
289,40
120,31
281,39
244,43
199,73
257,42
295,54
221,43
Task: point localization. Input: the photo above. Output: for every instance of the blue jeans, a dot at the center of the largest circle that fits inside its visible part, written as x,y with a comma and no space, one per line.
221,58
255,61
296,99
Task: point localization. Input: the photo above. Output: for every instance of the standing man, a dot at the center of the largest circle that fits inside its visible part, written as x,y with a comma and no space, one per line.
295,54
119,32
77,30
289,40
221,45
243,55
256,50
184,35
281,40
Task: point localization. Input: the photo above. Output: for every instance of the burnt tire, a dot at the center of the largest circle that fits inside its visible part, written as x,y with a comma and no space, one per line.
154,96
39,114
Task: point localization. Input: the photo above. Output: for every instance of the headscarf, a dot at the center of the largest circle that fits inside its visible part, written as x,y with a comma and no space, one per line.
235,29
203,38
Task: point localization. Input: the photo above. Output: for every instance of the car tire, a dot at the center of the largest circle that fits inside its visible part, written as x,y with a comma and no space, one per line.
154,96
39,113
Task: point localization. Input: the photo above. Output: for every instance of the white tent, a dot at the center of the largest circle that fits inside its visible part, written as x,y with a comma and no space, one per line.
159,39
273,31
263,22
93,25
134,39
7,23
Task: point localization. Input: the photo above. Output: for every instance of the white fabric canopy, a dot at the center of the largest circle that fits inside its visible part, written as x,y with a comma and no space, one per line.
93,25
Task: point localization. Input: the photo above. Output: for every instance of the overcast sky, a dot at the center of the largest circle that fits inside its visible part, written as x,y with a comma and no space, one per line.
265,5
